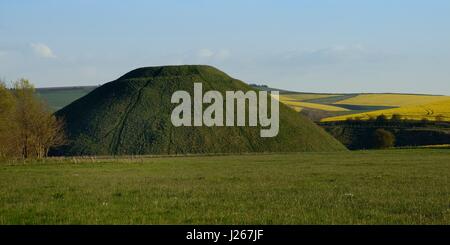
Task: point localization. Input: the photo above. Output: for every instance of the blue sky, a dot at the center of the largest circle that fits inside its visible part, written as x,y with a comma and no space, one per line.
316,45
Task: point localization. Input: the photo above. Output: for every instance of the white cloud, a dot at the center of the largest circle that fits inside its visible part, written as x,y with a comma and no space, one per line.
208,54
333,56
205,53
223,54
42,50
198,56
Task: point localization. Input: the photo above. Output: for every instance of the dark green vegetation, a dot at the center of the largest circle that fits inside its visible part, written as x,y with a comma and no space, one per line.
363,187
359,134
132,116
58,97
383,139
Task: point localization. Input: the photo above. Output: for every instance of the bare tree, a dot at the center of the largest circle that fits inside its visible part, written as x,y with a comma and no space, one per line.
49,132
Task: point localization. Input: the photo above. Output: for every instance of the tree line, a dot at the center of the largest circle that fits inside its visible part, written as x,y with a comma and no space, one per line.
396,119
28,128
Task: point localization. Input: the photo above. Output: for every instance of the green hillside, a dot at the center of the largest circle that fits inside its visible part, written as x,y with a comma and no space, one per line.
132,116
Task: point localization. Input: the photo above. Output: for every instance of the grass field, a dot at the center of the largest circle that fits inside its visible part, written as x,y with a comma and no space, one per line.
364,187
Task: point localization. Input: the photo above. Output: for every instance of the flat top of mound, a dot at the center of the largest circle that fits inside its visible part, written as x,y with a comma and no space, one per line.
175,70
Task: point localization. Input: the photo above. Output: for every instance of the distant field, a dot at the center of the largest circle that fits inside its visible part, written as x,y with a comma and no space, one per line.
362,187
297,101
57,98
338,107
392,99
299,105
328,107
439,110
304,96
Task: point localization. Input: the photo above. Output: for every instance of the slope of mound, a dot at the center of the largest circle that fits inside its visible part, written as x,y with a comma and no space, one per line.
132,116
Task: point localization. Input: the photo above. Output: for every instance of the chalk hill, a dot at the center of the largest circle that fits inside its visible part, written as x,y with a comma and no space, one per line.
131,115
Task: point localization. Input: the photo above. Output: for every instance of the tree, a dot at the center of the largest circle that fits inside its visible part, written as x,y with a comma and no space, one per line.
381,119
38,128
424,120
26,115
396,117
30,129
7,122
383,139
439,118
49,132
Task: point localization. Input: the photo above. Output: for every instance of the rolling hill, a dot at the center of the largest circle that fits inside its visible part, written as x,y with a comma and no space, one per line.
338,107
58,97
131,115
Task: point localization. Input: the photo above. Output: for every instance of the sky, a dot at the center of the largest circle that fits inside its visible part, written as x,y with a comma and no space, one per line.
310,45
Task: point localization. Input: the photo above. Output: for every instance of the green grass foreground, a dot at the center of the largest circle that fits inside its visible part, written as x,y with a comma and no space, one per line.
365,187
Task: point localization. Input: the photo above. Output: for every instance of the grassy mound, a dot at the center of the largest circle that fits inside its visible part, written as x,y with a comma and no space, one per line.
132,116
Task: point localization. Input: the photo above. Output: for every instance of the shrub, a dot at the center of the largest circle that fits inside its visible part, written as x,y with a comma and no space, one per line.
396,117
383,139
381,119
439,118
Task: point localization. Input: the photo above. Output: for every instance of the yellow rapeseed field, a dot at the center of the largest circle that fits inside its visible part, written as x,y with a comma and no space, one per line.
295,101
438,110
392,99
